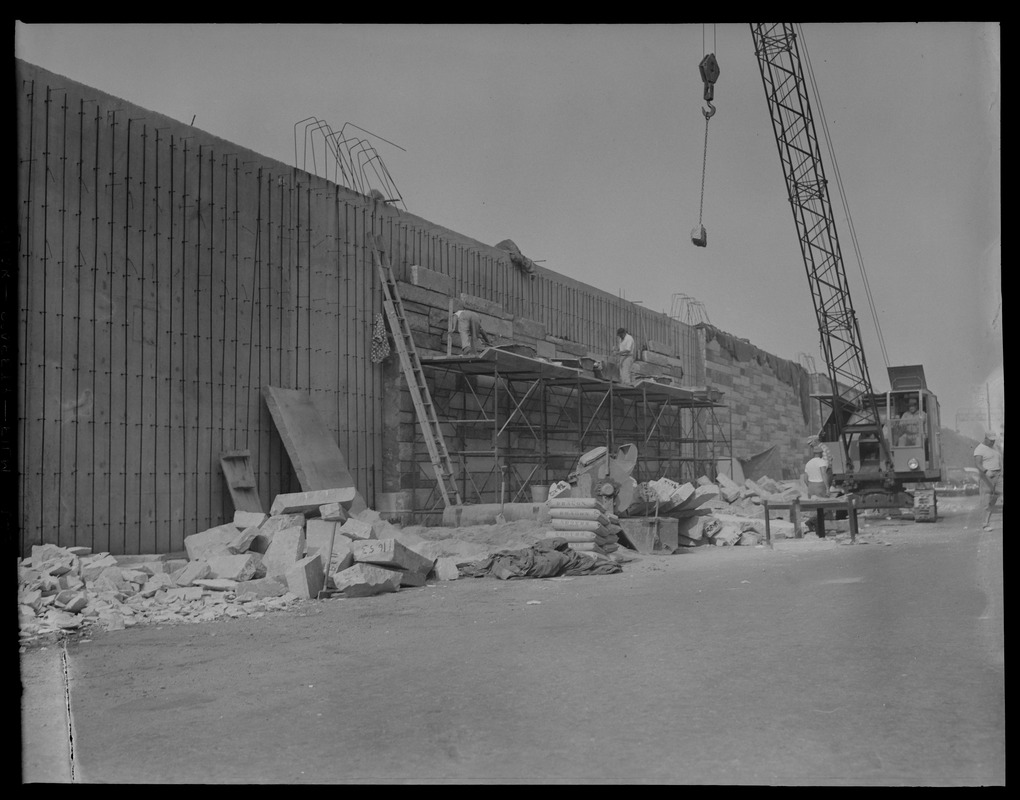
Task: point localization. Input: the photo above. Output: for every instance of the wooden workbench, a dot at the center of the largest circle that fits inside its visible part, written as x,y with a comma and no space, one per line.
846,503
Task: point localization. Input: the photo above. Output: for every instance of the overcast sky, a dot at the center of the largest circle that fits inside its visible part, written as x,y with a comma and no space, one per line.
584,145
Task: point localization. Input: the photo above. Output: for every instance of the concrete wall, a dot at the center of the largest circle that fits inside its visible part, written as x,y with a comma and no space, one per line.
768,399
164,276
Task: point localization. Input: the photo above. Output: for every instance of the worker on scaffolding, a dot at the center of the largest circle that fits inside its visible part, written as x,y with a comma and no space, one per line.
469,326
625,355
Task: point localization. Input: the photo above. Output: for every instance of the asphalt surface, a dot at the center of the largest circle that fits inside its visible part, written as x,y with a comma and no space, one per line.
812,663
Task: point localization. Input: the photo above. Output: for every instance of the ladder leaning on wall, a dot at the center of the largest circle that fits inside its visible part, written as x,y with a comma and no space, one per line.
415,377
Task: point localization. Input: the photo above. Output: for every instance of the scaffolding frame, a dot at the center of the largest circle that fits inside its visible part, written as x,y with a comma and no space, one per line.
526,421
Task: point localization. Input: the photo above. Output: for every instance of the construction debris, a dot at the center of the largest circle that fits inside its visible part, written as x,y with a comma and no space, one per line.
259,563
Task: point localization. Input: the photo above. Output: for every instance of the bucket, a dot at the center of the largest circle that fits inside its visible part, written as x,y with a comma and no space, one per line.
539,494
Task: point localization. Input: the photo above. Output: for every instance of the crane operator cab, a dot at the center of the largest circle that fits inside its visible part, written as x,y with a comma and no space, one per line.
912,426
908,416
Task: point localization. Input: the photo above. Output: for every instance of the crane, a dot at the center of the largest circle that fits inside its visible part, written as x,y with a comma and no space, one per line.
878,454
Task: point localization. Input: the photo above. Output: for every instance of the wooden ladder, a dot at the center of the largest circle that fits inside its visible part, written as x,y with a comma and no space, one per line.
415,377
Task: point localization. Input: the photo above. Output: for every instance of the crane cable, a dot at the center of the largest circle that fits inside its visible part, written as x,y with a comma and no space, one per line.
842,196
709,69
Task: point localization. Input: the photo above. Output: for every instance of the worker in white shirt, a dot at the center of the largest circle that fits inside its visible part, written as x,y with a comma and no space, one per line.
469,326
817,473
988,460
625,352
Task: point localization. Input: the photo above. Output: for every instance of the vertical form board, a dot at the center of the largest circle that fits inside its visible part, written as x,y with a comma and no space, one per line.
29,381
313,451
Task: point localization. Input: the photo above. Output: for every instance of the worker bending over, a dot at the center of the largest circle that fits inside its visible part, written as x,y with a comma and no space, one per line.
469,326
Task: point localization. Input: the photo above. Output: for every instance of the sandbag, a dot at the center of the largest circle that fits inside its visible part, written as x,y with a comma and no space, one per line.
572,536
579,513
577,525
573,502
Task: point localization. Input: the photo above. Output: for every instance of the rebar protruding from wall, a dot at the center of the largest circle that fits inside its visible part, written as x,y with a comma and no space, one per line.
688,310
357,163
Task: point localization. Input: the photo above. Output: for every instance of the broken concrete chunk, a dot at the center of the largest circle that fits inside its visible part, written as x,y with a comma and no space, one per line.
357,529
249,519
195,570
726,536
215,584
286,549
303,502
306,578
42,553
235,568
79,551
262,587
211,541
363,580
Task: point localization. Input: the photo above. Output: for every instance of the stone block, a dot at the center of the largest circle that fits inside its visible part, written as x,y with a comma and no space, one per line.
333,512
363,580
236,568
748,539
446,569
430,279
356,529
727,535
79,551
134,575
306,578
195,570
249,519
391,553
691,527
317,535
262,587
304,502
211,541
243,541
268,529
286,549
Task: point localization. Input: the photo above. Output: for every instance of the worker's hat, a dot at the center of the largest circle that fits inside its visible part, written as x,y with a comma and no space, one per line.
990,436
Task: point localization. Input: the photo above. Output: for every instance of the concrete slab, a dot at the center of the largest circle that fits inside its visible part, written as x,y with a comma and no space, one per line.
45,725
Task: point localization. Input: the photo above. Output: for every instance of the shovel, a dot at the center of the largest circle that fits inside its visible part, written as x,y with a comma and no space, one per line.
500,519
325,592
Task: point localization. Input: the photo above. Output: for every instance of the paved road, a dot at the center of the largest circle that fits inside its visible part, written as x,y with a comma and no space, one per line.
813,663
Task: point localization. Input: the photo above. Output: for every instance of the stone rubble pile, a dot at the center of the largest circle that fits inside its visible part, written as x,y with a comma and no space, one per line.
255,564
720,513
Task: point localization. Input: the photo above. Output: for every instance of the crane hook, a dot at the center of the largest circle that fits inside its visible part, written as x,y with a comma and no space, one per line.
710,111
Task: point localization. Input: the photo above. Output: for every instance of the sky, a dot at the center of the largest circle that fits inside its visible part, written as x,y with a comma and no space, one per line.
585,145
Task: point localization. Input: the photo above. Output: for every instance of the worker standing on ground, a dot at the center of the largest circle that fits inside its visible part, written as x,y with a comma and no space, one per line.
817,473
988,460
469,326
625,352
